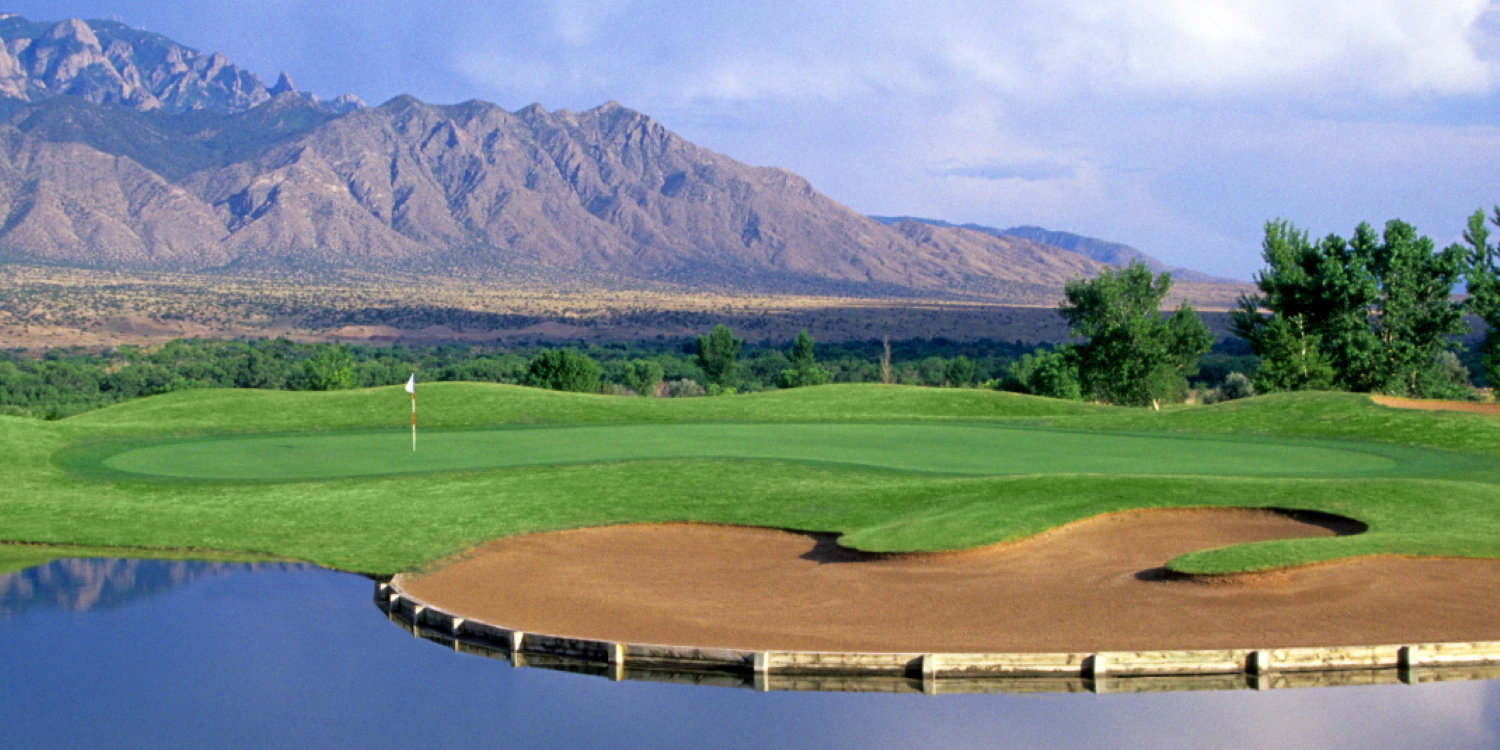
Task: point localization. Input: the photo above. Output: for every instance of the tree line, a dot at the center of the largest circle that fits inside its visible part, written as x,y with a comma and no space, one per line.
63,381
1373,313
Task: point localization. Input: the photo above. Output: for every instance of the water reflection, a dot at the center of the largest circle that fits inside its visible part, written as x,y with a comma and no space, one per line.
88,583
263,656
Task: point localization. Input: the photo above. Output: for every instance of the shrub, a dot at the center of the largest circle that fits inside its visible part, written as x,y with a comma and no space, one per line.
1047,374
684,388
563,370
960,372
641,376
1236,385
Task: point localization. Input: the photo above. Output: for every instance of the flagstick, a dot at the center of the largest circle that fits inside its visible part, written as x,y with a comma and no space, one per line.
414,423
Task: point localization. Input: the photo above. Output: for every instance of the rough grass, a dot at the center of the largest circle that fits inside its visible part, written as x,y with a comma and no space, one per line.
1438,493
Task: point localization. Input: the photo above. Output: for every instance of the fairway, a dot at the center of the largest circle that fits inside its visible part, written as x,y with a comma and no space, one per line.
331,477
946,449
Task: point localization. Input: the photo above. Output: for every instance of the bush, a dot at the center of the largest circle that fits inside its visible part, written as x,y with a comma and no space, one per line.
960,372
1236,385
563,370
684,388
1047,374
331,369
641,376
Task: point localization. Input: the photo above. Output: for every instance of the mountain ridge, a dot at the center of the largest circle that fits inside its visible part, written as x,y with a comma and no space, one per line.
150,163
107,62
1103,251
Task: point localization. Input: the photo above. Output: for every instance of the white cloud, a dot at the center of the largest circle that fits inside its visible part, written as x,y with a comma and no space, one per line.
1111,49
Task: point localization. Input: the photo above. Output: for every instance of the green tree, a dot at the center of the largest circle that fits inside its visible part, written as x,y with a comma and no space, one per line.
1374,312
717,353
331,369
1132,356
1045,373
1484,289
1416,318
1290,359
642,376
805,370
960,372
1323,292
563,370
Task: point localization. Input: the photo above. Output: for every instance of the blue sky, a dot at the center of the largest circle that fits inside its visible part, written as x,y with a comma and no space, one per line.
1177,126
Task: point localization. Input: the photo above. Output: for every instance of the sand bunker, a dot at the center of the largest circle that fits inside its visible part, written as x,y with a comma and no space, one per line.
1430,405
1091,586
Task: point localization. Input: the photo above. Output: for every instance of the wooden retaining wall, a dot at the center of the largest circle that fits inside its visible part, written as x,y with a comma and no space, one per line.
952,672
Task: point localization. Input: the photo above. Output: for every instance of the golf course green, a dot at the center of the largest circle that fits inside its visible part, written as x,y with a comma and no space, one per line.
331,477
938,448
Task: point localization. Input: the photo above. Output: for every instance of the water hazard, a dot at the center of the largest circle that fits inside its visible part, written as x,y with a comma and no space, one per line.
150,654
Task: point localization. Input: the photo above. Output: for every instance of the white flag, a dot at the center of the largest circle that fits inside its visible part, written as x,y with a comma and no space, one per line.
411,384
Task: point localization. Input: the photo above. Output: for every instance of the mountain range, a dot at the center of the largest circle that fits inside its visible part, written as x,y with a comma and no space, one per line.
121,149
1103,251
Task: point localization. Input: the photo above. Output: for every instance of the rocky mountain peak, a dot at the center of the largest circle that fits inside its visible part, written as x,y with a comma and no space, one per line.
206,168
283,85
107,62
75,29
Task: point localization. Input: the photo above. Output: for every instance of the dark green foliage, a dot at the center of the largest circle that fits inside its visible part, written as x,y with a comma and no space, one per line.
563,370
1373,313
1132,356
804,370
62,382
717,353
1415,318
1290,358
960,372
1045,373
1484,289
642,376
331,369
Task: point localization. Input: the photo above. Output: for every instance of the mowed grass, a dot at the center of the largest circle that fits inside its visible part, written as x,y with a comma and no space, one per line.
330,478
930,448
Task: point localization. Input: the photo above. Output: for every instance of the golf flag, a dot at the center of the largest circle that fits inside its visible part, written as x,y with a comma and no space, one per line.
411,387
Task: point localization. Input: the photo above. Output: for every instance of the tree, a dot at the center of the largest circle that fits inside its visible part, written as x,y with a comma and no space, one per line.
1322,294
1133,356
717,353
1374,312
1290,359
805,369
331,369
960,372
1484,289
1416,318
563,370
642,376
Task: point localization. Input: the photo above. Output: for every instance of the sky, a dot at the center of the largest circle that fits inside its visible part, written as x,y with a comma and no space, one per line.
1177,126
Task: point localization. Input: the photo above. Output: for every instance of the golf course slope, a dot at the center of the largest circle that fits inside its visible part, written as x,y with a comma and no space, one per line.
331,477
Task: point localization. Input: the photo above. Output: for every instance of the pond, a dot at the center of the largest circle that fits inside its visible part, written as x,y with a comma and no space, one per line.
135,653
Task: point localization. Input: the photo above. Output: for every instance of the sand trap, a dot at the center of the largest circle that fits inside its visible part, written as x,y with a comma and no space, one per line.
1430,405
1091,586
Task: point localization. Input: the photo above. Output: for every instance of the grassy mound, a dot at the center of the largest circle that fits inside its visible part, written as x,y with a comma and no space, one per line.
320,476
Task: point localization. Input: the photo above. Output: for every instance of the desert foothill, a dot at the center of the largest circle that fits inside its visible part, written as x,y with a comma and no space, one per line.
1110,387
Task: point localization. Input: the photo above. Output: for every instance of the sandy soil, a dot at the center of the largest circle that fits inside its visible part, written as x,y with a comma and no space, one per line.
1093,585
1427,405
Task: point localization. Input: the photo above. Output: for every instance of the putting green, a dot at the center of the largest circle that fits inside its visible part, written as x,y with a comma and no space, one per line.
943,448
